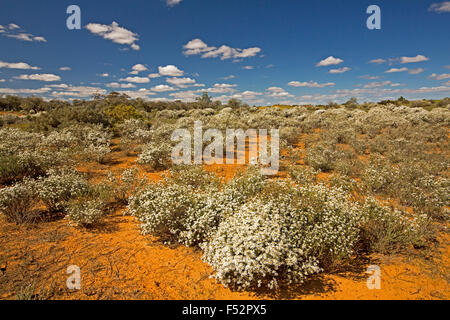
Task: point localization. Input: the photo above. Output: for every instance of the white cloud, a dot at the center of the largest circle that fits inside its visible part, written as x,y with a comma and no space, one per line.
17,65
163,88
13,32
440,7
13,26
378,61
222,88
231,76
418,58
197,46
24,91
65,68
154,75
378,84
394,70
135,79
78,91
329,61
440,76
340,70
172,3
185,95
2,80
104,75
170,70
115,33
120,85
277,92
138,68
60,86
416,71
184,82
248,67
310,84
48,77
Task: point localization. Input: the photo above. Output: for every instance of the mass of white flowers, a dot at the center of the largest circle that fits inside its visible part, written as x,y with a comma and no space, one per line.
156,154
61,185
85,213
17,201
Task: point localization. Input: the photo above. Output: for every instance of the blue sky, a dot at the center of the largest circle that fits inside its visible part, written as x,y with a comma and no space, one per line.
259,51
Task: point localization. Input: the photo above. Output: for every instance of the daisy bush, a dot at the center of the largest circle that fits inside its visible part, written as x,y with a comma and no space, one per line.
17,201
56,189
85,212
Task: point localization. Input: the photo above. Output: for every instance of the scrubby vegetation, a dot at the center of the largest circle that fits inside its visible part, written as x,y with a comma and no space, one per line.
356,178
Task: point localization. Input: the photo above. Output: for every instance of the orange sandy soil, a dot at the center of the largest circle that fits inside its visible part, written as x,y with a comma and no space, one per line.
117,262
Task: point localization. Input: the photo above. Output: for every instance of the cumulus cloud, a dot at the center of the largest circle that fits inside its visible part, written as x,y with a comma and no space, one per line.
248,67
163,88
65,68
340,70
135,79
185,95
394,70
138,68
16,32
418,58
154,75
115,33
170,70
329,61
17,65
222,88
48,77
183,82
310,84
440,7
277,92
172,3
104,75
197,46
440,76
120,85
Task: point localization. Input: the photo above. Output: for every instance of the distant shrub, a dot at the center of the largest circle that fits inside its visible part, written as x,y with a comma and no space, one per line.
120,113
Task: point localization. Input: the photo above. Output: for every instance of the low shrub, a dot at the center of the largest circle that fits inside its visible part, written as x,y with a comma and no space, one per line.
60,186
85,213
157,155
17,201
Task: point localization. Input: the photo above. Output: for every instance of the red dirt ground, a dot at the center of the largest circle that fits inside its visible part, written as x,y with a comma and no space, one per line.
117,262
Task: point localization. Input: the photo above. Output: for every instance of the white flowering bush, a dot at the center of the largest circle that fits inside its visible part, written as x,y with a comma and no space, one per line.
156,154
17,201
260,245
85,213
60,186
